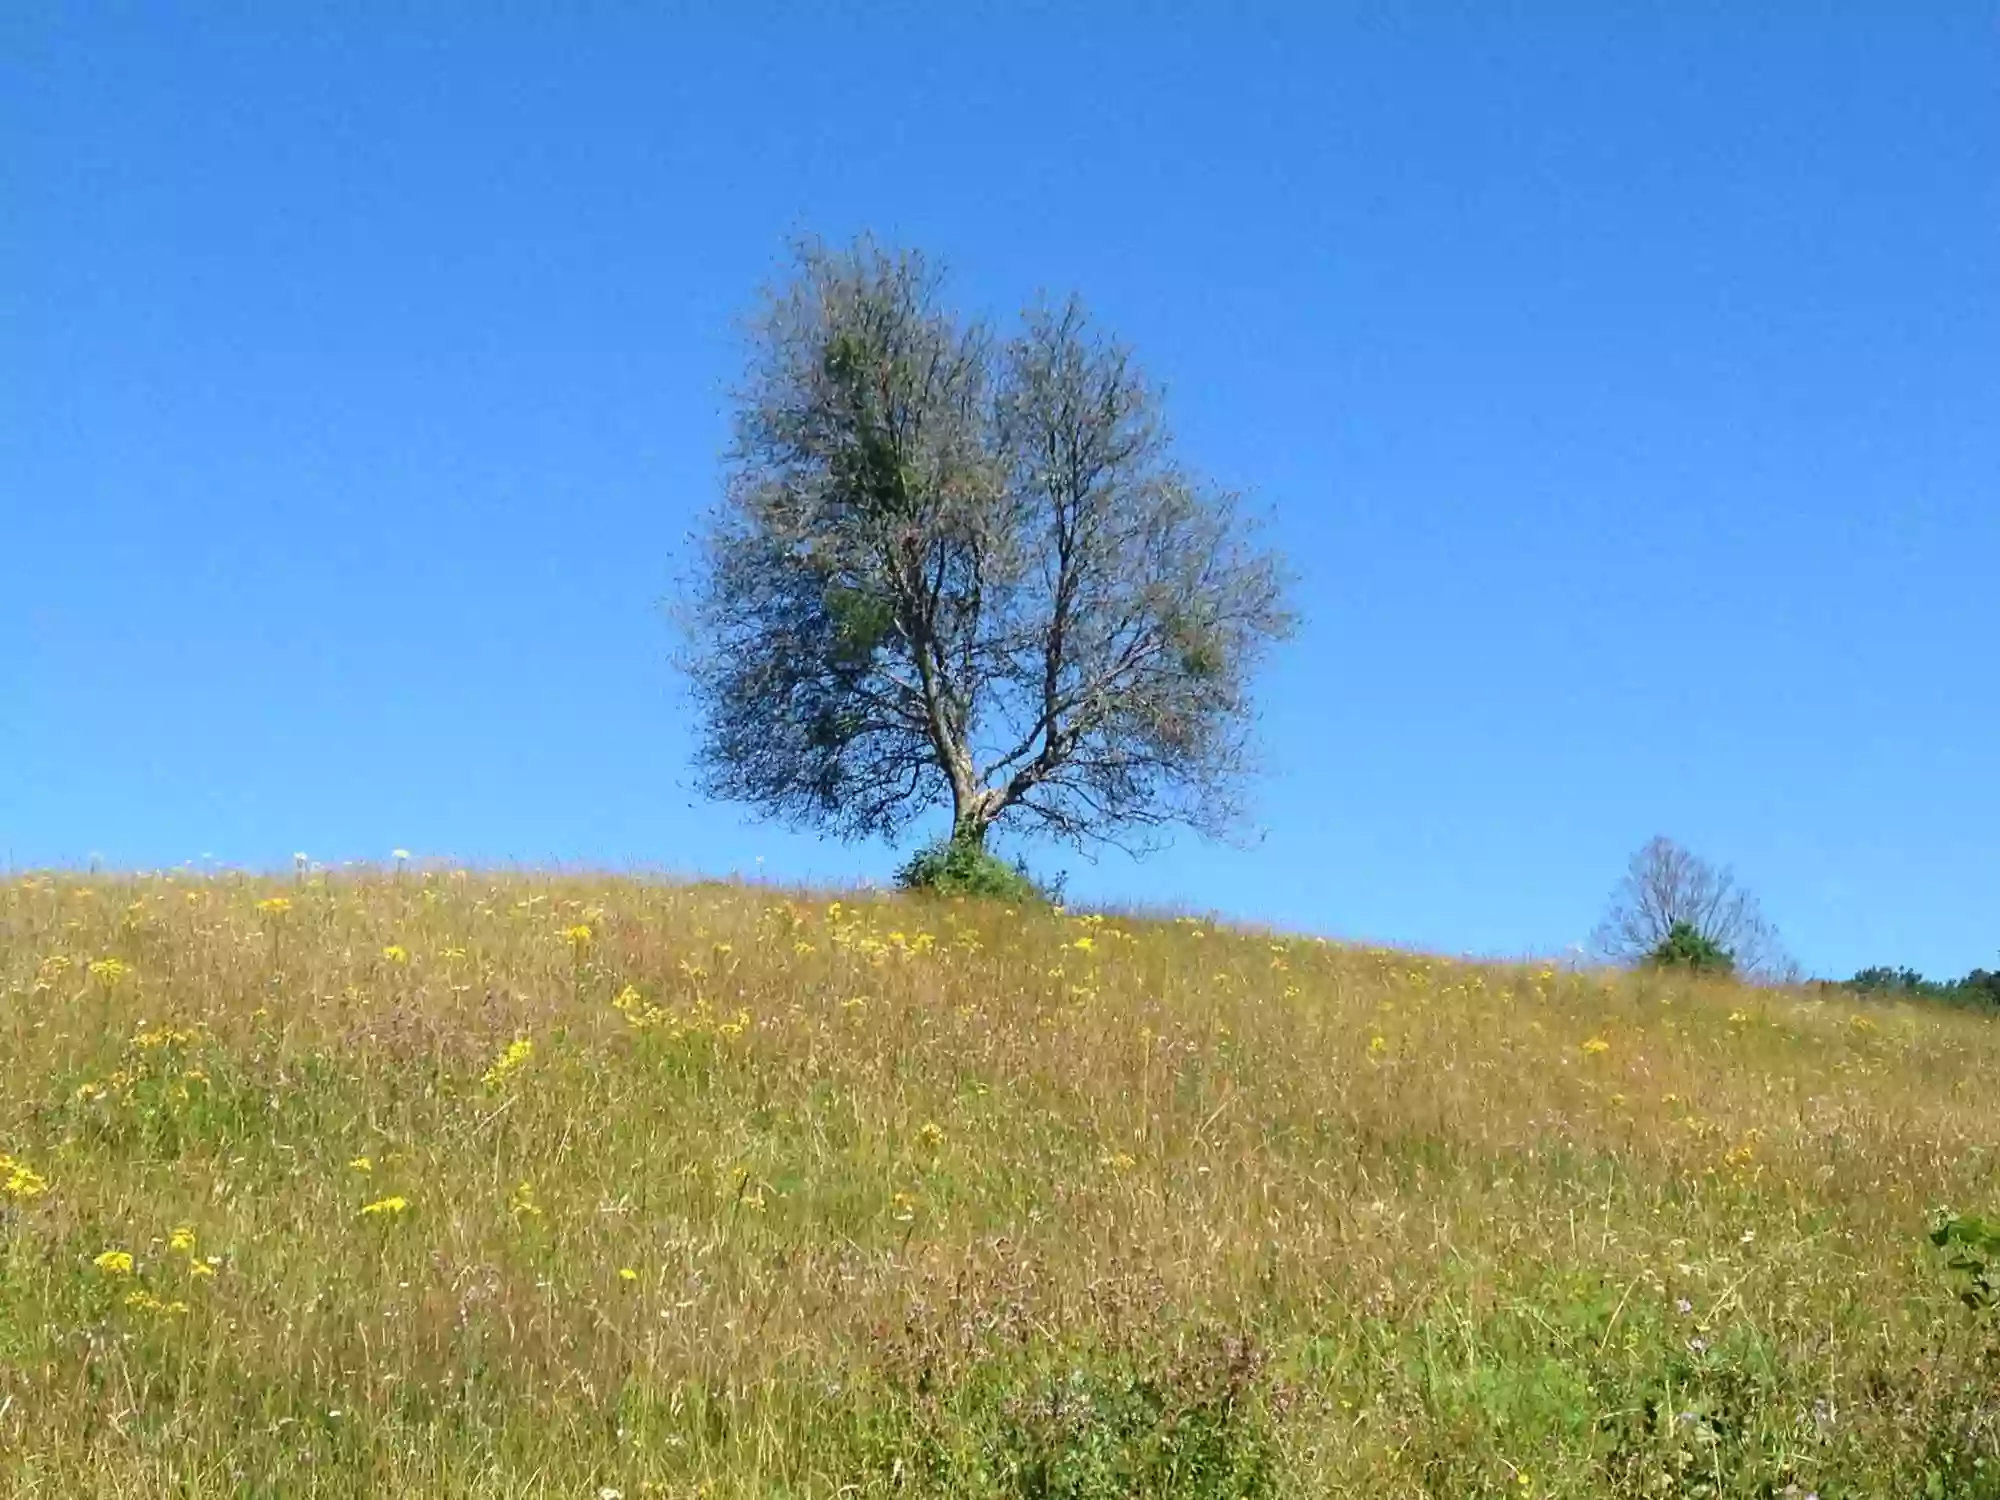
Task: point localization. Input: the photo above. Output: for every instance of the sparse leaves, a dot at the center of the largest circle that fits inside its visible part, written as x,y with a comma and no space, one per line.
951,567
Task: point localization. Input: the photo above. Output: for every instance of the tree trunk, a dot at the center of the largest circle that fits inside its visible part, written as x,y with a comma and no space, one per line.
974,812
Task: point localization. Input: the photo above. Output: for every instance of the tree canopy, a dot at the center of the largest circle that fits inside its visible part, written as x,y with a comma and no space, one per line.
952,566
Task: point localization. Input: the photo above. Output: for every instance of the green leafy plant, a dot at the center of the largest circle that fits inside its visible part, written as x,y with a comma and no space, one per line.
1686,947
1190,1432
1972,1247
960,867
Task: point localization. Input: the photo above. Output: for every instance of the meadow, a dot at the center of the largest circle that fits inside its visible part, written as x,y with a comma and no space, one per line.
459,1184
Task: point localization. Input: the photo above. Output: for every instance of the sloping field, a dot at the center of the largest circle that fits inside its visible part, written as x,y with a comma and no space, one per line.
446,1185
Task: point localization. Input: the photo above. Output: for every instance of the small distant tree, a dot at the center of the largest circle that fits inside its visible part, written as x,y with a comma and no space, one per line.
1665,888
1684,947
1981,988
955,568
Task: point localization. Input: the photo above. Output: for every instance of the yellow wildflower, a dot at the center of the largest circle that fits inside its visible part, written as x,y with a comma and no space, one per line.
362,1164
522,1204
182,1239
114,1262
396,953
200,1268
20,1181
932,1134
579,936
277,906
110,970
903,1208
509,1062
386,1207
626,1273
1596,1045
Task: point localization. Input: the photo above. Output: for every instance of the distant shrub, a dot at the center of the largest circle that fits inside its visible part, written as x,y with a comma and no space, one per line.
959,867
1884,980
1685,947
1979,990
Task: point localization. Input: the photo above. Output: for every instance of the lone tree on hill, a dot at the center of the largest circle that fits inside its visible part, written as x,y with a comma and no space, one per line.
1674,907
952,564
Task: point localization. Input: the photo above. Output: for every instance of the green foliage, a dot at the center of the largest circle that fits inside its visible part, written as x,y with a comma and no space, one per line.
1979,990
1686,947
1972,1245
862,622
964,867
1192,1426
1881,979
1706,1421
1185,1434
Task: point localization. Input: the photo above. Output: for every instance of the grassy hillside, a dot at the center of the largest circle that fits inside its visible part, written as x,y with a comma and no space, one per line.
453,1186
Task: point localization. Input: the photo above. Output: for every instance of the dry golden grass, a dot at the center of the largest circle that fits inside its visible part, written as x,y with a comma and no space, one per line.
705,1190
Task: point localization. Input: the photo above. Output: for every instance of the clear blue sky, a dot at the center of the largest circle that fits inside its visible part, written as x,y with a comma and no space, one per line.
1625,380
